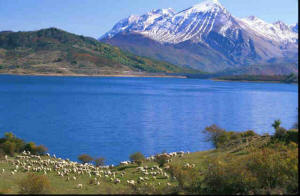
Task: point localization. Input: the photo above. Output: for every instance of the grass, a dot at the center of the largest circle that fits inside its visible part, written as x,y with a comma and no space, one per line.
59,185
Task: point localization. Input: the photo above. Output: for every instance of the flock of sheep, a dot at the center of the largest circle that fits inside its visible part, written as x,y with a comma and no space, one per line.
71,171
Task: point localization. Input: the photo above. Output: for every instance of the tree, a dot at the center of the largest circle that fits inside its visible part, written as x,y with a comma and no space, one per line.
85,158
276,124
99,161
30,146
9,136
215,134
137,158
9,147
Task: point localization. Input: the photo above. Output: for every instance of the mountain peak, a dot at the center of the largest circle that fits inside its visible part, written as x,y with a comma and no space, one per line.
281,25
252,18
167,11
207,5
294,28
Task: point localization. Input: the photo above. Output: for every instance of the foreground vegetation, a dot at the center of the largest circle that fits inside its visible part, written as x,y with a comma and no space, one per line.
241,163
291,78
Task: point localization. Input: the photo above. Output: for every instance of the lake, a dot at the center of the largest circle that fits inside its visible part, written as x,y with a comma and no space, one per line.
114,117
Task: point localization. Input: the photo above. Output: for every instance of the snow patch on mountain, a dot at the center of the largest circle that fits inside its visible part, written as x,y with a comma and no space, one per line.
294,27
277,31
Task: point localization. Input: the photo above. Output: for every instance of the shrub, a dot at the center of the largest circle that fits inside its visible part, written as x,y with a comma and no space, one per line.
11,144
248,133
280,133
2,154
99,161
34,184
269,170
222,138
137,158
9,147
227,178
286,136
85,158
276,167
161,159
9,136
215,133
40,150
30,146
292,135
186,177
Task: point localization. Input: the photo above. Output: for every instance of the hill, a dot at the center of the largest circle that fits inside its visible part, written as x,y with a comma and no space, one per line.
54,51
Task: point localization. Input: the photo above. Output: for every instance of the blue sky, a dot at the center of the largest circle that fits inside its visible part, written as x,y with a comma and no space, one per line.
95,17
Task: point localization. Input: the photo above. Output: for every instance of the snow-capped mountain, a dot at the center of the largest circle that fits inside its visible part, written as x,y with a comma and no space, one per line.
278,31
165,26
184,38
294,27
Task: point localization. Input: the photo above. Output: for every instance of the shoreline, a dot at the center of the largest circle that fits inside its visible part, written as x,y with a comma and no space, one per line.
99,75
260,81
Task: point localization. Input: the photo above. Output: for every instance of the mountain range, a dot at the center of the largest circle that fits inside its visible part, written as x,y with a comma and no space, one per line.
207,37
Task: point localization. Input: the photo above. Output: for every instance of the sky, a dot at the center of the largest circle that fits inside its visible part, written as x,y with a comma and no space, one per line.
95,17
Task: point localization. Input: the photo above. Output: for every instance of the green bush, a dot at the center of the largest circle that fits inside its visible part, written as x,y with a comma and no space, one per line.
286,136
161,159
292,136
248,133
85,158
11,144
40,150
9,147
2,154
222,138
280,133
137,158
186,177
269,170
34,184
99,161
215,133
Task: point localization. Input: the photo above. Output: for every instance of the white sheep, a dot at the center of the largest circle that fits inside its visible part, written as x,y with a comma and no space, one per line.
117,181
132,182
79,186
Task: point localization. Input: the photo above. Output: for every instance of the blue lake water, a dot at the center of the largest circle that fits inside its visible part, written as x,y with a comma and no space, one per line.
114,117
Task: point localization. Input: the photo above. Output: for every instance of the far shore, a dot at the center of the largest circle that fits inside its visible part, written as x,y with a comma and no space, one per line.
96,75
260,81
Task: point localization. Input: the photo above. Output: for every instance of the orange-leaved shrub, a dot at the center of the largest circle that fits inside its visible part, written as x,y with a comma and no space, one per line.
34,184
